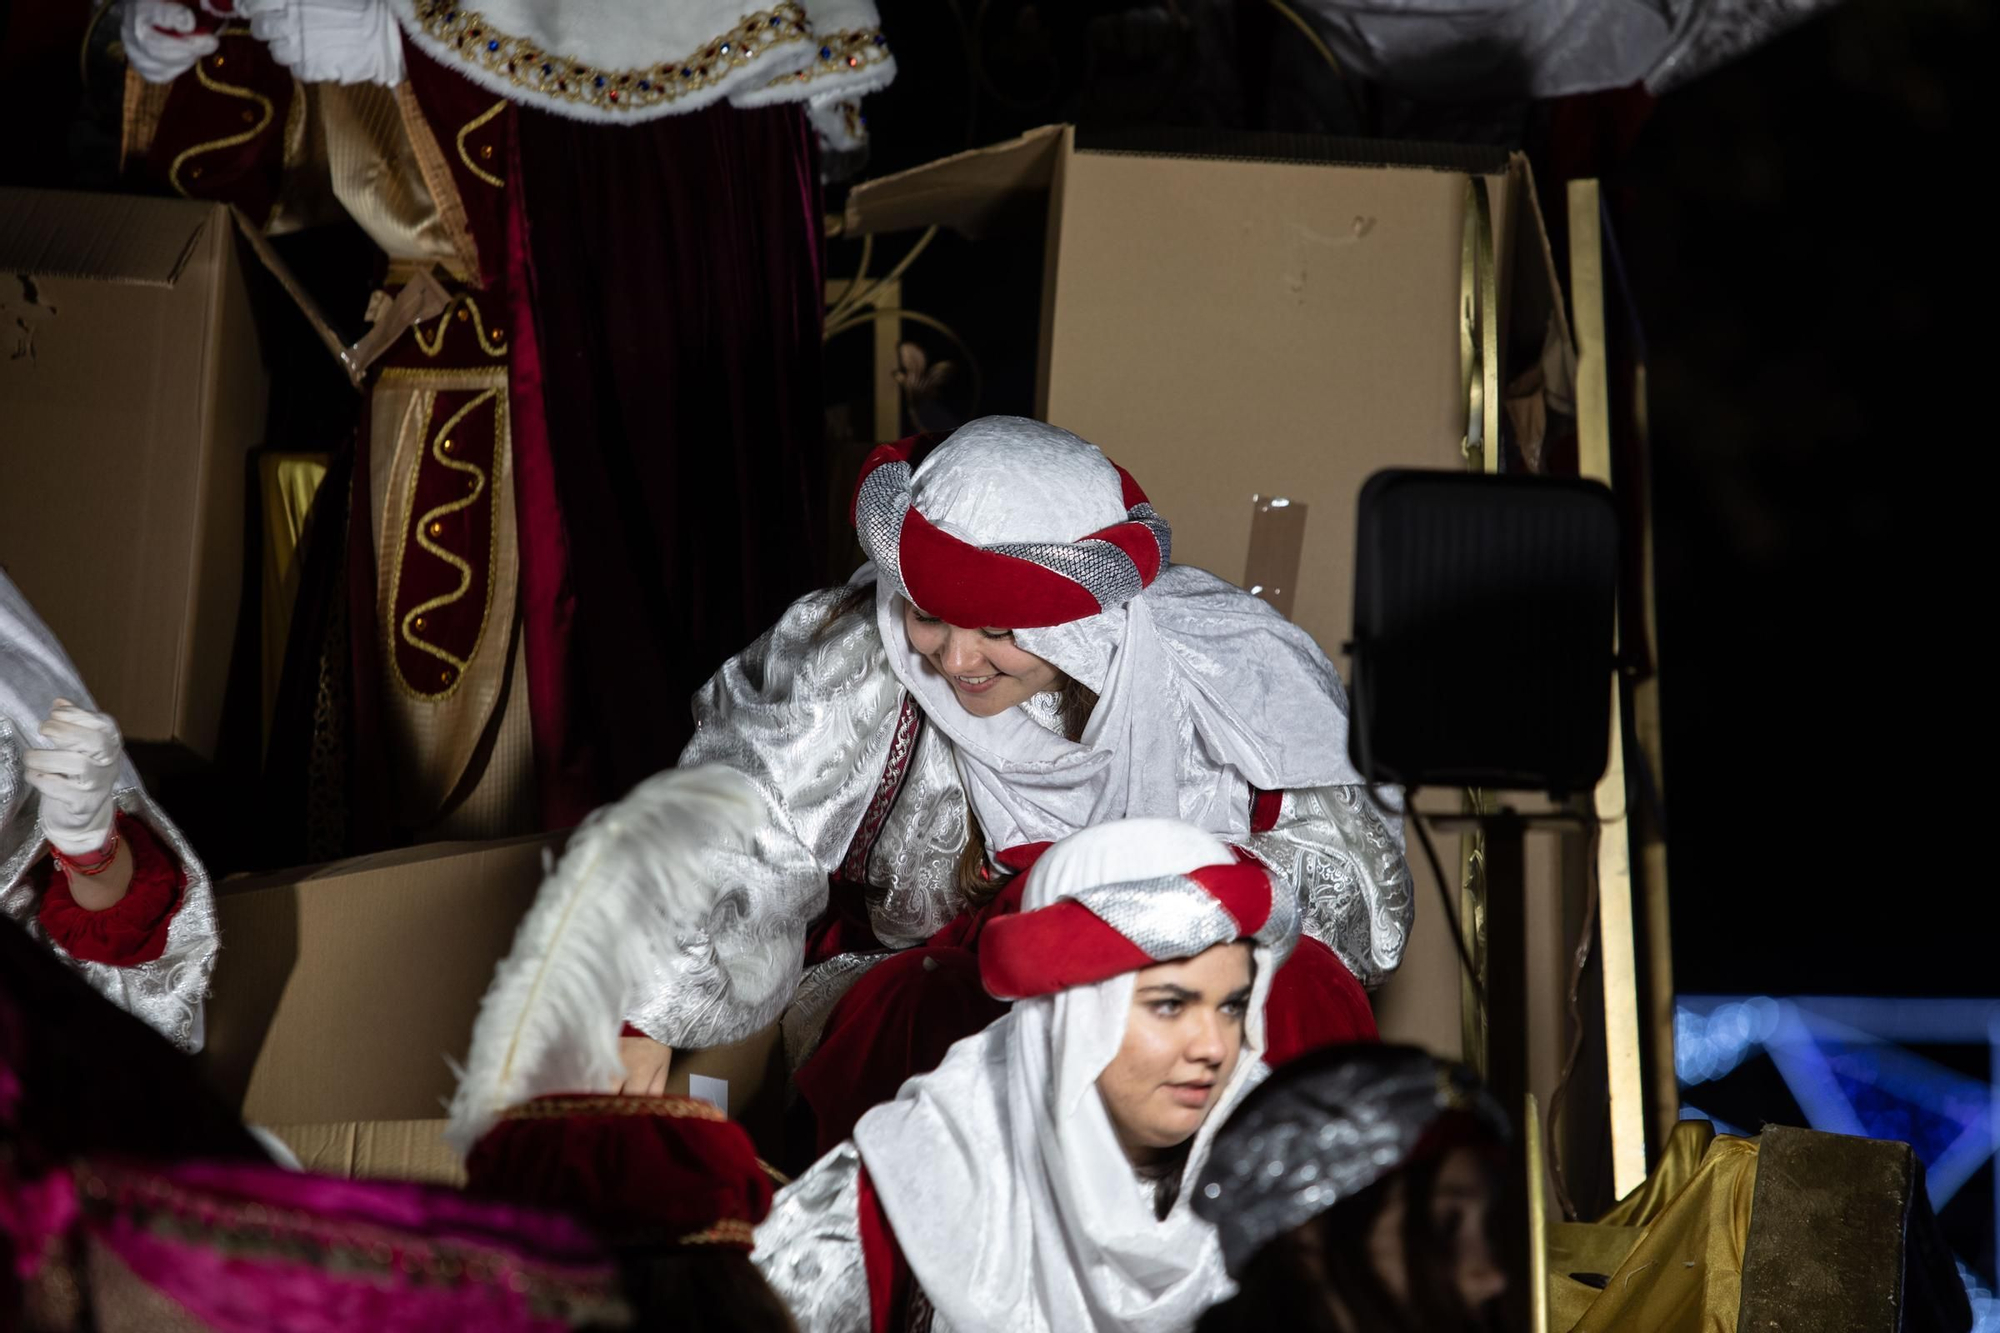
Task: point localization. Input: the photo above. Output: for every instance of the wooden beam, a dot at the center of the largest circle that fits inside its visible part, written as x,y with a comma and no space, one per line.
1616,935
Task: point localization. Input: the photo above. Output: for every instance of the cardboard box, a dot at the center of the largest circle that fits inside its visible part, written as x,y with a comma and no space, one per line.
376,1150
746,1080
1253,325
342,990
131,389
1237,328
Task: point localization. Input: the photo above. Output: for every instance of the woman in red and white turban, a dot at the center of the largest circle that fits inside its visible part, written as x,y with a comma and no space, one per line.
1034,1181
1019,660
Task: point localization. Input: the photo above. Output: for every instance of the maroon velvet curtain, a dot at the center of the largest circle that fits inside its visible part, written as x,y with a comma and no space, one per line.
676,295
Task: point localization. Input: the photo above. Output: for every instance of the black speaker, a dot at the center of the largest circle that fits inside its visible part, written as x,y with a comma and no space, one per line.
1483,630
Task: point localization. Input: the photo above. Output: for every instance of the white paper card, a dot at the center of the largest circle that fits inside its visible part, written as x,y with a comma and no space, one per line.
714,1091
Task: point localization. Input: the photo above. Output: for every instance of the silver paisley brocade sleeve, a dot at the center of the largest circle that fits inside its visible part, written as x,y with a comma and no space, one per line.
165,993
1348,867
806,713
809,1248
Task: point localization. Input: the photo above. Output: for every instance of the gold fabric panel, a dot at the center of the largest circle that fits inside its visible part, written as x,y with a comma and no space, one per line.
443,747
287,485
436,173
141,120
376,176
501,799
1672,1249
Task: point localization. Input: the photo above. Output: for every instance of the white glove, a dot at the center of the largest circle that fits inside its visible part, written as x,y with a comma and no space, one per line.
75,777
160,41
329,41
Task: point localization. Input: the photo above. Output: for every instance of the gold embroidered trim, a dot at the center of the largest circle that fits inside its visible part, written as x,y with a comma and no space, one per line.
553,75
464,567
227,90
437,175
469,127
435,343
558,1108
729,1231
469,377
845,52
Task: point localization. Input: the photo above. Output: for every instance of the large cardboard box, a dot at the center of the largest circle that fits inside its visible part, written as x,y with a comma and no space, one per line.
746,1080
376,1150
1253,325
343,992
131,389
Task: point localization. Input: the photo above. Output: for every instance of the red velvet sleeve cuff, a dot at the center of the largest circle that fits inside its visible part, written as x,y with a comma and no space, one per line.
134,929
1265,807
889,1275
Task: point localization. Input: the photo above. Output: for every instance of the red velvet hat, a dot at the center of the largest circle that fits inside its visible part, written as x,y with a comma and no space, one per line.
653,1172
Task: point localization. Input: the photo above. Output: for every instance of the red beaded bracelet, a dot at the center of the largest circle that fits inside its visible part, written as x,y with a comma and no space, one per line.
96,863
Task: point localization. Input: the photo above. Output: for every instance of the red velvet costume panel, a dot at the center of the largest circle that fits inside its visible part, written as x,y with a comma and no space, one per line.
132,930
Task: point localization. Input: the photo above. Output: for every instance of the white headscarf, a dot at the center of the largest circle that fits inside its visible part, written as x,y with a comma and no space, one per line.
1000,1172
1203,690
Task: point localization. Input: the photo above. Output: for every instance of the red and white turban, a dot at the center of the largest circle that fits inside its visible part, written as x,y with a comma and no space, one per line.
1093,934
1002,584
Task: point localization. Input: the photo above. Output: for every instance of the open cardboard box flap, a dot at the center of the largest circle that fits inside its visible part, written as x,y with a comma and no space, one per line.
966,192
99,238
969,192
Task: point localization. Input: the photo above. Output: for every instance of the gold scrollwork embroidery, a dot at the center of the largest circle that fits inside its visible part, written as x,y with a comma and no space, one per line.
479,486
434,344
227,90
495,181
551,74
670,1105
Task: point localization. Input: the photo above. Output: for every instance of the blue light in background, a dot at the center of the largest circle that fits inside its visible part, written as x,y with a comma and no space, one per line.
1985,1308
1707,1046
1846,1063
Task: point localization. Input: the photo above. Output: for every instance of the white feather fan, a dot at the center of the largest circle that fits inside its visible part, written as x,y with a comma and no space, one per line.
628,886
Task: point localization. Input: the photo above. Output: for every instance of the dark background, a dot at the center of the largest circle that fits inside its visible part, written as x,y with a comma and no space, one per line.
1804,231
